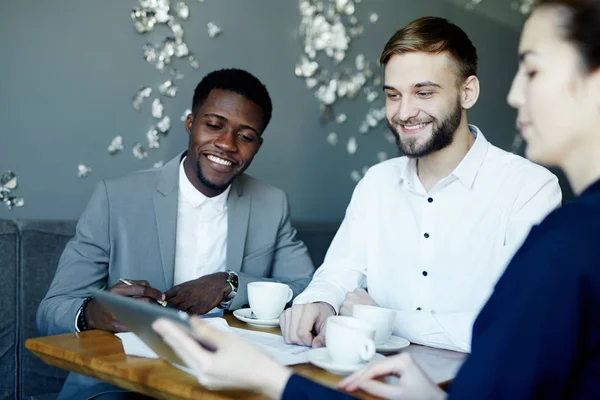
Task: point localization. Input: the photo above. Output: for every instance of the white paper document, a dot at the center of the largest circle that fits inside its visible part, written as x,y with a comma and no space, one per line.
276,347
273,345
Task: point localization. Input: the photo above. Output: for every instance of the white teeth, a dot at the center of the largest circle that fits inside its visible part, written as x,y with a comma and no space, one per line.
415,127
218,160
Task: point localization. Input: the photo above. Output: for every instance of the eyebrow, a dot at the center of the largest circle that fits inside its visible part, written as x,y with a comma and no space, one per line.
416,85
523,55
222,118
426,84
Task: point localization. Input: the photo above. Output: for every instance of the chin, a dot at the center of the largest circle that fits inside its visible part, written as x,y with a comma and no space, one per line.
219,183
538,156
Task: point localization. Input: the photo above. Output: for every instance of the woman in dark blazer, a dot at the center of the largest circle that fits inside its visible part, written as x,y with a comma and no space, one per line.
538,336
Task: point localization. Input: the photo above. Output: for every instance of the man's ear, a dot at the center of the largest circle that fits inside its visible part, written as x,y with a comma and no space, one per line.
469,92
189,120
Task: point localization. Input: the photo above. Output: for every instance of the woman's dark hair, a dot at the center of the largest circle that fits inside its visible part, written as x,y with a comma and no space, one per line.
580,20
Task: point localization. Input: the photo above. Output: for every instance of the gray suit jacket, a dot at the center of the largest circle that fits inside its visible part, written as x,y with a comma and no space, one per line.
129,228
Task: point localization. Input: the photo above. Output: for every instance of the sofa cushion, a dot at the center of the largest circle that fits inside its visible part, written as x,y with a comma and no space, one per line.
9,241
42,243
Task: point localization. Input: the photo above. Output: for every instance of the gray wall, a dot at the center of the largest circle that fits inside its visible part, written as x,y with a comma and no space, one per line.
69,69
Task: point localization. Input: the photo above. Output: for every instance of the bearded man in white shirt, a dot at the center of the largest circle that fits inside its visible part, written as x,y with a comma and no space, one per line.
429,233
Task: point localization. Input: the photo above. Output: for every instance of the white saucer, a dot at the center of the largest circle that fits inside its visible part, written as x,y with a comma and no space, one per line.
321,358
394,344
245,315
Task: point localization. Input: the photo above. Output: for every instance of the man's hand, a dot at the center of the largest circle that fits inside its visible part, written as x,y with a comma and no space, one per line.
413,383
358,296
97,317
201,295
304,324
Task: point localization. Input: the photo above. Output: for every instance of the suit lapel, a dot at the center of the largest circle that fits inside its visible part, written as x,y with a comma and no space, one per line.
165,209
238,212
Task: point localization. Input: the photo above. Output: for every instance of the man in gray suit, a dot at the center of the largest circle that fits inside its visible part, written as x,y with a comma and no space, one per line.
193,233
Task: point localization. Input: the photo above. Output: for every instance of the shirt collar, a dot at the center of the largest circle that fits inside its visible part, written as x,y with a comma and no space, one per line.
195,197
466,171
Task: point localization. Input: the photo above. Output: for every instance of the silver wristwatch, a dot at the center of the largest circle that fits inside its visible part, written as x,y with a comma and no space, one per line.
233,281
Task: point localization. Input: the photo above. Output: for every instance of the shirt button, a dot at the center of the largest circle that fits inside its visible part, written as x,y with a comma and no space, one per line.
426,235
424,273
430,200
418,308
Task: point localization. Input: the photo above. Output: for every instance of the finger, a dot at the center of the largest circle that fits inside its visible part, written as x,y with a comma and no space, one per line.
282,324
153,293
318,341
171,292
137,291
177,302
306,323
389,366
207,333
286,325
292,324
380,389
346,309
295,323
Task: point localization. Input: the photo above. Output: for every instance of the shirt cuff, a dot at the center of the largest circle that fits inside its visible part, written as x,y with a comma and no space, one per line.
77,319
316,297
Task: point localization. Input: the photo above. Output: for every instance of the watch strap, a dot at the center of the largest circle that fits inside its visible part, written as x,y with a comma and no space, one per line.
233,281
81,321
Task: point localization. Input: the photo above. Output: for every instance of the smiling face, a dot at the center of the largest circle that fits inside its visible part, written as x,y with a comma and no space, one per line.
224,136
423,101
557,101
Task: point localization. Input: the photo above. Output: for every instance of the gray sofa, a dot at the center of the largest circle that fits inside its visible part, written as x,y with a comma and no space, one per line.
29,253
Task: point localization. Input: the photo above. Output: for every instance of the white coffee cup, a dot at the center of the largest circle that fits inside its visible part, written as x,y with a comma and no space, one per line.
381,318
268,299
349,340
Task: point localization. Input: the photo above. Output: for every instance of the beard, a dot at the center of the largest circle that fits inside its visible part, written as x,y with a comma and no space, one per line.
442,134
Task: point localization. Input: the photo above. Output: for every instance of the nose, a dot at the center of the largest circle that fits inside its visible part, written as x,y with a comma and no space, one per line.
227,141
407,109
516,95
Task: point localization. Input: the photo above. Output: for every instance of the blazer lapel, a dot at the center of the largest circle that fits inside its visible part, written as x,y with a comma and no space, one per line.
165,209
238,212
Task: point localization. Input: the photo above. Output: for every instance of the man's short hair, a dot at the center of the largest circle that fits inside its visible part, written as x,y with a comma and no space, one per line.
237,81
434,35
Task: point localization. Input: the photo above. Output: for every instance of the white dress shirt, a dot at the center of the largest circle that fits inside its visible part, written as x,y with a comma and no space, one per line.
201,241
435,256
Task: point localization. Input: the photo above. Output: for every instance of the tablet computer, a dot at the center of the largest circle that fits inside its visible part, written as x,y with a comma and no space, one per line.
138,317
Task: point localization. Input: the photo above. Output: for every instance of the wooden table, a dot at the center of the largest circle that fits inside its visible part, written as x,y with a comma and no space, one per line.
100,355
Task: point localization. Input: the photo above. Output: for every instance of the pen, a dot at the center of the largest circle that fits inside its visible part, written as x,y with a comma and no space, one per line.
129,283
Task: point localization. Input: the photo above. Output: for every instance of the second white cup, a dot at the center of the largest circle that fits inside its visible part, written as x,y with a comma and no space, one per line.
381,318
268,299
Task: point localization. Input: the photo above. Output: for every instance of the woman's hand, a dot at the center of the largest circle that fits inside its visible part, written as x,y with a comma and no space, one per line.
413,383
236,364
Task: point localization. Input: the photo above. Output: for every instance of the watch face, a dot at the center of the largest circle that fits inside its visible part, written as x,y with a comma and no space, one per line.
233,278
